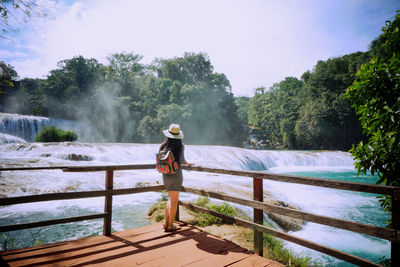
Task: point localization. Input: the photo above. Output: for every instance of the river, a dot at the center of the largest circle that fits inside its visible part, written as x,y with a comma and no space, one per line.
130,211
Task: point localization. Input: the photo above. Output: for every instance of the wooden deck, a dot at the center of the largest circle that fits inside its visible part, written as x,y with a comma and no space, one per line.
144,246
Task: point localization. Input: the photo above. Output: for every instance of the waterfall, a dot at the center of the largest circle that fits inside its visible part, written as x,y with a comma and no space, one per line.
27,127
130,210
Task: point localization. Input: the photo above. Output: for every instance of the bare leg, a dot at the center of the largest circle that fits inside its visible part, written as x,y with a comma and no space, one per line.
171,208
166,215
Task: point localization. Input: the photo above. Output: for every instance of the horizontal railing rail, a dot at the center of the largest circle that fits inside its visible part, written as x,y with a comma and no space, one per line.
68,196
257,204
297,179
22,226
380,232
300,241
77,195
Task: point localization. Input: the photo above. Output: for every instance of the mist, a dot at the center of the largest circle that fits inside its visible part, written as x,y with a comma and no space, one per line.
127,101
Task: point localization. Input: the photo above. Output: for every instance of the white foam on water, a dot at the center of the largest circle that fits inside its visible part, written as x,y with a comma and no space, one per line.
328,202
8,138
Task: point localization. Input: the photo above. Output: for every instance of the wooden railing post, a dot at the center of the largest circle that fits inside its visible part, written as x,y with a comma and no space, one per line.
395,246
108,203
258,195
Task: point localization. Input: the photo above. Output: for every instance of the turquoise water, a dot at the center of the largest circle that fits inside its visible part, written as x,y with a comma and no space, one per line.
372,213
125,216
360,207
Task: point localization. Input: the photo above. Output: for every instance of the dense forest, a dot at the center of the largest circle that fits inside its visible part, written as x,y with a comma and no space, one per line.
310,113
128,101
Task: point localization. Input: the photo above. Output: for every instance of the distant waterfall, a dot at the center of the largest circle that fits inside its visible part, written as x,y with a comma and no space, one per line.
27,127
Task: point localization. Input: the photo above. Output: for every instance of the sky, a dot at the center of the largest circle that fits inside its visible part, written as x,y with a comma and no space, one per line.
253,42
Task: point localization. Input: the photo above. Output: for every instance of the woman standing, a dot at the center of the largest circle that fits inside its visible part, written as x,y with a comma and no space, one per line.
173,182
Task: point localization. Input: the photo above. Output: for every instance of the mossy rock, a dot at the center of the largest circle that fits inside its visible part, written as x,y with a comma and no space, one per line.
156,212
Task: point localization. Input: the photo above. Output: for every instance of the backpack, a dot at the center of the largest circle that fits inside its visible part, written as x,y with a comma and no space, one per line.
166,163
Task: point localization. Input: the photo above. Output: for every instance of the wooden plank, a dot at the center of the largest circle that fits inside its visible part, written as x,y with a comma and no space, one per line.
108,168
329,183
305,243
84,168
77,195
50,197
190,250
258,195
85,250
145,246
33,168
189,247
384,233
109,184
7,228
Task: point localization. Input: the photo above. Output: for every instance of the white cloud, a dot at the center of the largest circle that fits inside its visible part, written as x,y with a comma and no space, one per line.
255,43
10,54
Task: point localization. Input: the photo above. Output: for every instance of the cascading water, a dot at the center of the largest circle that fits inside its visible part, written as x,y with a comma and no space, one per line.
129,211
27,127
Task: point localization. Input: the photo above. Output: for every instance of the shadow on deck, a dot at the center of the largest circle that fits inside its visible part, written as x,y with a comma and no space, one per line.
144,246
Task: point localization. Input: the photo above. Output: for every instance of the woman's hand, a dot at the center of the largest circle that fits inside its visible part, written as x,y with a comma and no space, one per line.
188,164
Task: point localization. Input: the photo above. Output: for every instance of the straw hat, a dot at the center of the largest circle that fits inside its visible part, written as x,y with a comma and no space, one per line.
174,132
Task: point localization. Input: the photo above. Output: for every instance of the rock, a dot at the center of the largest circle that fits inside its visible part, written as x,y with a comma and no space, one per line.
77,157
286,223
156,211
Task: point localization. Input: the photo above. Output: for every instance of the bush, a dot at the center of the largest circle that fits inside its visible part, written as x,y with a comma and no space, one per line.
202,201
276,250
54,134
205,219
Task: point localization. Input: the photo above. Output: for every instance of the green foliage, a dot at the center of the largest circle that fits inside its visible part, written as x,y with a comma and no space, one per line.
157,210
202,201
7,242
385,261
275,112
375,95
223,208
24,10
310,113
8,83
54,134
159,217
127,101
205,219
277,251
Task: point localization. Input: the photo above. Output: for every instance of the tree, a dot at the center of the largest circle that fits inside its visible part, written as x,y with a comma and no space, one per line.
126,101
326,120
275,112
16,12
67,87
243,109
375,95
8,83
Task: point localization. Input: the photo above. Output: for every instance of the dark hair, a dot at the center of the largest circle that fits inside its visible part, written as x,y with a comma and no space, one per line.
174,145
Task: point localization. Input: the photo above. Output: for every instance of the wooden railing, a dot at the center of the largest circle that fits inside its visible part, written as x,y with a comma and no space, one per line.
391,234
